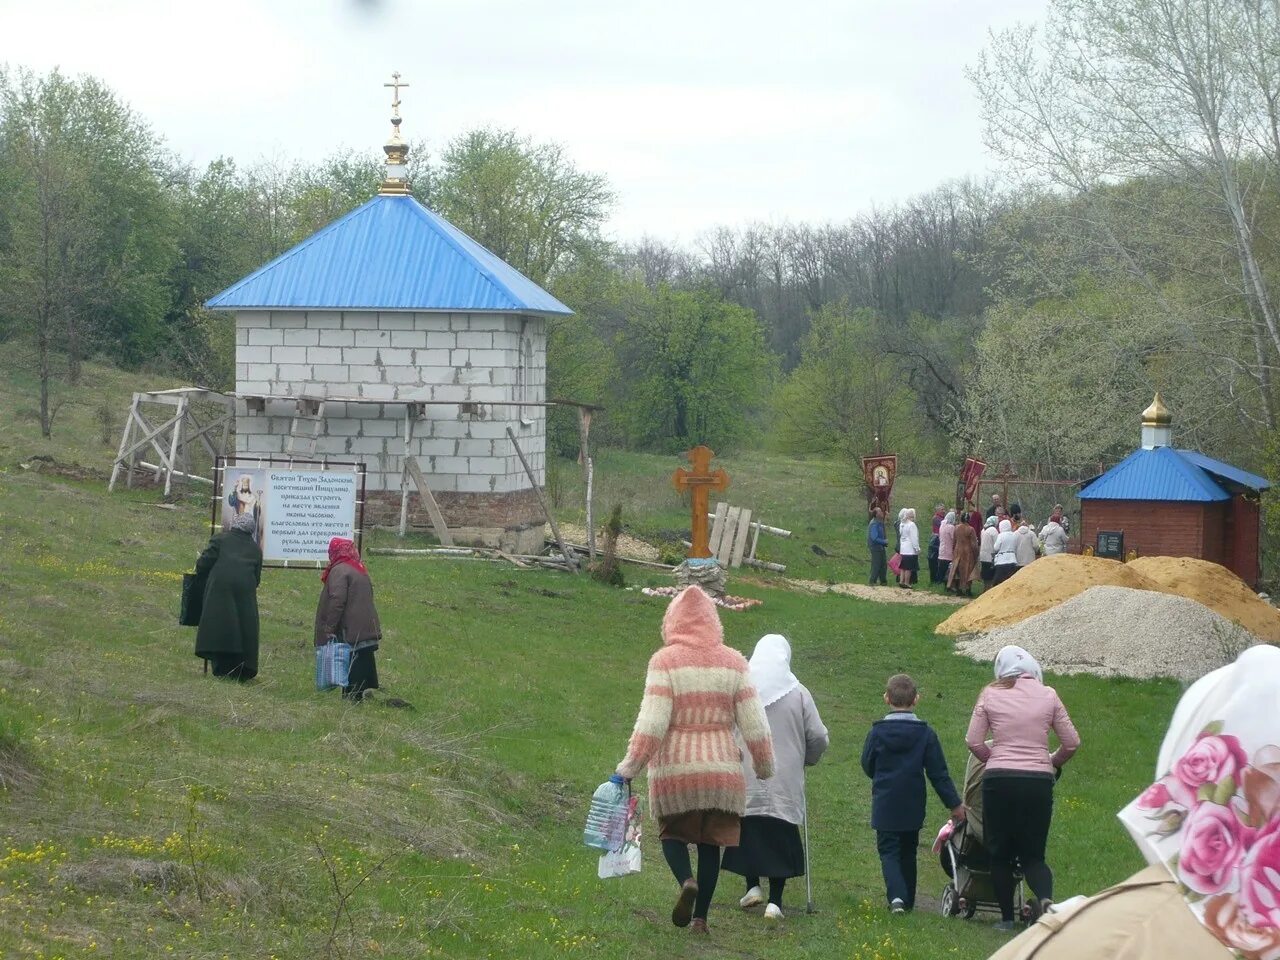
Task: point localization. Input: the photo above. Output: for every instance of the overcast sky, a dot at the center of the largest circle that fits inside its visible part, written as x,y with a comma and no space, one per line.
700,112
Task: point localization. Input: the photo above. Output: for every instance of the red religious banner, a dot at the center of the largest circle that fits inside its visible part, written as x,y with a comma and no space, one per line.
878,473
970,474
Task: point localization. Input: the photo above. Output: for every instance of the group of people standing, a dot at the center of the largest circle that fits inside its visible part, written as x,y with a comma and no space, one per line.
964,546
228,574
725,743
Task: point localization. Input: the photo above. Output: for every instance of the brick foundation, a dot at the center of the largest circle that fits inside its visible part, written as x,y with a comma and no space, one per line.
518,509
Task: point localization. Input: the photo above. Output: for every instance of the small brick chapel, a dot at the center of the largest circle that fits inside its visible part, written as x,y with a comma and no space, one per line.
1177,503
391,334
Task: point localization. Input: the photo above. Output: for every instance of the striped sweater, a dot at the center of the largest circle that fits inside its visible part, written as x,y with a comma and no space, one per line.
696,692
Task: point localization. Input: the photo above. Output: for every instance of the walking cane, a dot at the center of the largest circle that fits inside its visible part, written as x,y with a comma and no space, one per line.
809,908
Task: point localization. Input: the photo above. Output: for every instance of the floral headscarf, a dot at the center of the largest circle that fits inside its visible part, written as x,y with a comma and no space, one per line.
245,523
1212,817
342,550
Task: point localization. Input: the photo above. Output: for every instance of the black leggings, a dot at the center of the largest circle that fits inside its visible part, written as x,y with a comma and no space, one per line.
775,888
1016,813
677,854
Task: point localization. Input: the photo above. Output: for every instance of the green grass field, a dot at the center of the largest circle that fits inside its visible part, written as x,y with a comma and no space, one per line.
151,811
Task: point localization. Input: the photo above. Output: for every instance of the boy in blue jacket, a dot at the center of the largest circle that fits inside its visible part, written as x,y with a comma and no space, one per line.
899,752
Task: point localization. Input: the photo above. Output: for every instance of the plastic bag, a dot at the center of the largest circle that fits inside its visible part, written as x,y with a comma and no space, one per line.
333,665
627,860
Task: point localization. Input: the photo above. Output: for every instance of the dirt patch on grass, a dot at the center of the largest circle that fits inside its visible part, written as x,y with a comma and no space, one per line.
18,770
119,875
916,598
628,546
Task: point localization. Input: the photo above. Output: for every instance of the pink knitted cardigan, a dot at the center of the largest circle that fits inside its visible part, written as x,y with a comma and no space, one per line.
696,692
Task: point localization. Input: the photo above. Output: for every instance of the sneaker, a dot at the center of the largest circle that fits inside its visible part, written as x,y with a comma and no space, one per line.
699,926
897,906
682,913
1006,926
773,913
754,897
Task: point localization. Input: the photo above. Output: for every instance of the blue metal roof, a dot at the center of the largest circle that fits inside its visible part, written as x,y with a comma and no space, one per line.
391,253
1161,473
1226,471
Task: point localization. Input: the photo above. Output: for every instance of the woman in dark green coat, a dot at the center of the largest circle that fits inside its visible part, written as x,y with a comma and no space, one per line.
232,568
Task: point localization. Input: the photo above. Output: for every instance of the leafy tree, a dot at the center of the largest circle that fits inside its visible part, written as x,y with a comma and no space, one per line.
695,369
847,391
525,201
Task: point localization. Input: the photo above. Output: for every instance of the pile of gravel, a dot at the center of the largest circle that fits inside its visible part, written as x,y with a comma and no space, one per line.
1121,632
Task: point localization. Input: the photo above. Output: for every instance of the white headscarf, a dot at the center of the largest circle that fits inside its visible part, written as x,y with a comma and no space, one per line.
991,521
950,518
902,514
1212,817
1006,526
771,669
1013,661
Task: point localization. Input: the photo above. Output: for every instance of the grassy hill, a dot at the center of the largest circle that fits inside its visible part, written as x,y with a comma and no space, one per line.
148,810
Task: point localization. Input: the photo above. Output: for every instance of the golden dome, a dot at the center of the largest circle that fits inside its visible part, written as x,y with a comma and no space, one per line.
1157,415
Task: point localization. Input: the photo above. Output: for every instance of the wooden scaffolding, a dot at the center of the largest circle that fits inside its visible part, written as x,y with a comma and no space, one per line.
171,431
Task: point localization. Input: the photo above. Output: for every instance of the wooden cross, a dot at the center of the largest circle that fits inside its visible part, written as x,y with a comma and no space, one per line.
395,86
700,481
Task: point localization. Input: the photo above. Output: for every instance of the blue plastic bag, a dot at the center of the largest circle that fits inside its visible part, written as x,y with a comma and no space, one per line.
333,665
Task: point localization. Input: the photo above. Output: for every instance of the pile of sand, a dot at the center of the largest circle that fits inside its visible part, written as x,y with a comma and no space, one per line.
628,546
1119,631
1215,586
1044,584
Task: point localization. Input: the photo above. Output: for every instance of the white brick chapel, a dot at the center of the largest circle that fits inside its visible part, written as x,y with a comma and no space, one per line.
390,333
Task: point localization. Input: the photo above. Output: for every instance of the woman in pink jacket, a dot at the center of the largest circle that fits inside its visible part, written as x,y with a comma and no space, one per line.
1017,712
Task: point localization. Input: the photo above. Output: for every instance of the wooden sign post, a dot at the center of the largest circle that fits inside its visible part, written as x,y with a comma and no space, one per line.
700,481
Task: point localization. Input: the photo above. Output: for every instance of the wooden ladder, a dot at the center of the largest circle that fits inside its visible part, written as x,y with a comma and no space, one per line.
306,426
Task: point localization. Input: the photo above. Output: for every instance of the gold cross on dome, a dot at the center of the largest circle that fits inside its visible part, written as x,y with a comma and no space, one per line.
395,86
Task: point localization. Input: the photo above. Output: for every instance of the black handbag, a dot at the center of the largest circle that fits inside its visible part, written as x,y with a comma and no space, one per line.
192,604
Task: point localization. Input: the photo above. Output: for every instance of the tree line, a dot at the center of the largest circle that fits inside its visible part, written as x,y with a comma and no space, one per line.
1128,246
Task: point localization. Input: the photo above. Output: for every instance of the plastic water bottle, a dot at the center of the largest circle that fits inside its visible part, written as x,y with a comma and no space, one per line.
607,819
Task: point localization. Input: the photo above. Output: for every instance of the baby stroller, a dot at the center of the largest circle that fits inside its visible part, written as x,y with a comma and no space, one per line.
965,860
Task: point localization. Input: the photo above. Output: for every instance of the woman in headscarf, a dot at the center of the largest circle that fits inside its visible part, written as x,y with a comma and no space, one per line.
1004,554
771,845
698,692
909,549
987,551
346,613
964,559
1017,712
231,566
946,546
1028,547
1209,826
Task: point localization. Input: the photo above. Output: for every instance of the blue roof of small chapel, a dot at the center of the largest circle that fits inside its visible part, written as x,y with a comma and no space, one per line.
390,253
1166,474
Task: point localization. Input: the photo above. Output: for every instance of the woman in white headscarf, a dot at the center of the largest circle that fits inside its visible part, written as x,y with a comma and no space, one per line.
1017,712
1004,554
908,548
771,845
1209,826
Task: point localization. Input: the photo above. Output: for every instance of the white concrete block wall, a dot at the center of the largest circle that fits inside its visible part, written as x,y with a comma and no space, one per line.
397,358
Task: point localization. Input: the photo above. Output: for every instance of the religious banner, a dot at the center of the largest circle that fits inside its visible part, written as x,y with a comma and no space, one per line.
298,507
878,474
970,475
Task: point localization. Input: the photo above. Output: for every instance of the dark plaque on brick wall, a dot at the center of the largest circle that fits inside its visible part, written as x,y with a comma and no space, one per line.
1110,544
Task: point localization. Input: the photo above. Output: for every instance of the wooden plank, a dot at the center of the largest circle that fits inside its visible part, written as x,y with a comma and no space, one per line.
740,541
730,531
776,531
717,528
433,511
404,473
175,444
570,559
124,442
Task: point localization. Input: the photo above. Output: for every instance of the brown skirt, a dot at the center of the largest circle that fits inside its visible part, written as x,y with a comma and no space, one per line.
714,827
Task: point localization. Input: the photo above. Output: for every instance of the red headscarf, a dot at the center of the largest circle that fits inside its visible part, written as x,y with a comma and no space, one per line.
342,550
